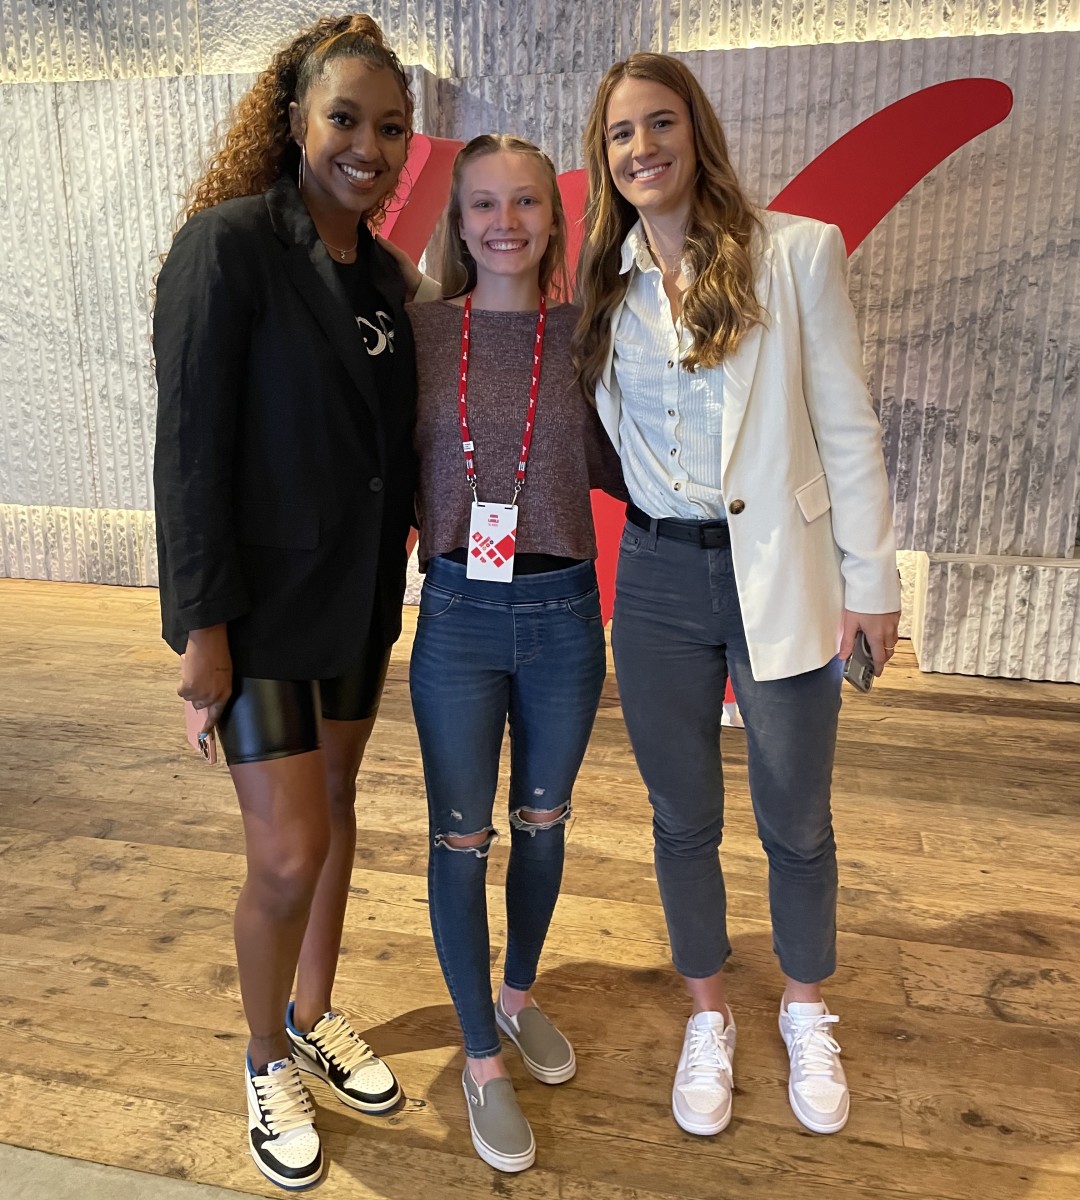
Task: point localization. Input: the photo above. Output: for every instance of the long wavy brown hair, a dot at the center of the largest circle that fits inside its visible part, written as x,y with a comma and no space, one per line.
719,306
257,147
458,265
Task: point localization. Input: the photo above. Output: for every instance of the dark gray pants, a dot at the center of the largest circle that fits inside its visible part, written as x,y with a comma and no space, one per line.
677,634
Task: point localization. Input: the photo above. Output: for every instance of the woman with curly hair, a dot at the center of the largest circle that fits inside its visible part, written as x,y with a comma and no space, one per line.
284,477
722,351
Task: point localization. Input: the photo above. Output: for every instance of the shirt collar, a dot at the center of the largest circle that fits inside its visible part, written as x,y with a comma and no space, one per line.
635,250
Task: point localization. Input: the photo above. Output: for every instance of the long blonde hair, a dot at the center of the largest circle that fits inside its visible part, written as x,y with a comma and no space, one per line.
719,306
458,271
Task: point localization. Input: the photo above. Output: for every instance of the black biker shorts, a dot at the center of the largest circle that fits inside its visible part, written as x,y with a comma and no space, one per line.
273,718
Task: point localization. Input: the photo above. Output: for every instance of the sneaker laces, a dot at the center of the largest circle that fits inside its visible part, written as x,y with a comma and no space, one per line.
285,1101
815,1046
342,1044
708,1054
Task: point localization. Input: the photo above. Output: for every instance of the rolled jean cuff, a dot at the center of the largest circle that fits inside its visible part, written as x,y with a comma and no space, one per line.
694,970
483,1053
808,971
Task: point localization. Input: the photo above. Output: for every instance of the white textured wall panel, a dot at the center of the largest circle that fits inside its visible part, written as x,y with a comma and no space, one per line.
129,150
527,37
44,429
994,616
548,109
907,564
462,38
674,25
242,36
97,39
46,40
93,176
968,293
77,545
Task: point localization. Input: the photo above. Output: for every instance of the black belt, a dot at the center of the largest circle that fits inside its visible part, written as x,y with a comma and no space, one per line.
709,535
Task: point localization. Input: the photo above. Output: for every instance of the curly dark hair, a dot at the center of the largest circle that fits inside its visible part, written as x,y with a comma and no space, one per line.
257,147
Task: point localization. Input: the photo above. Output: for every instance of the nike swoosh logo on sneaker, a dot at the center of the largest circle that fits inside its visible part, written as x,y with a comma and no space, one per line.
312,1053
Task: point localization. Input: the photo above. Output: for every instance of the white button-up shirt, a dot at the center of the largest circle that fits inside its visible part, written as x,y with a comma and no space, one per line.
670,421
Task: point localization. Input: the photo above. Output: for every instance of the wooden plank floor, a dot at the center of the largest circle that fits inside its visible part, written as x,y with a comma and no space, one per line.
958,813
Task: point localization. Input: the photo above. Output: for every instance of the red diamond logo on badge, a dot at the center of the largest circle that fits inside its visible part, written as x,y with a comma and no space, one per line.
506,546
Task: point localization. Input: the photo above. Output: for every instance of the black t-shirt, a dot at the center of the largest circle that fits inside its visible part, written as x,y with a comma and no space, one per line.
374,318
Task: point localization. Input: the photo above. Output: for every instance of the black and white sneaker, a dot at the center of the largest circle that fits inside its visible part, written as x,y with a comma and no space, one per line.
281,1126
335,1052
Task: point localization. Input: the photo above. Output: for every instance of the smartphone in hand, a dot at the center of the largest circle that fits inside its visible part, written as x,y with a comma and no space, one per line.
205,743
859,668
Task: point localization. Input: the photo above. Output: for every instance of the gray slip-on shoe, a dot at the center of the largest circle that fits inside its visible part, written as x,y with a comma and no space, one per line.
500,1133
547,1055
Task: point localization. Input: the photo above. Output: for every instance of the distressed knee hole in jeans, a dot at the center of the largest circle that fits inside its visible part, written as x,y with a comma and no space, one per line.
539,819
478,843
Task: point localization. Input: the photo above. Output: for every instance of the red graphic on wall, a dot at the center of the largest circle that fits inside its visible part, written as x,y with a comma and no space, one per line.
854,183
861,177
422,195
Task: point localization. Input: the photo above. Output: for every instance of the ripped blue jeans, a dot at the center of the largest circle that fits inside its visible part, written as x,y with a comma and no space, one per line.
530,654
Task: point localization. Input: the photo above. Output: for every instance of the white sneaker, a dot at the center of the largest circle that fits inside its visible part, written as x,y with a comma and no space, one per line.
281,1126
334,1051
701,1097
817,1086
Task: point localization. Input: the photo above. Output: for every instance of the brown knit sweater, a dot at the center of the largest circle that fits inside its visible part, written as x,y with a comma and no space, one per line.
570,450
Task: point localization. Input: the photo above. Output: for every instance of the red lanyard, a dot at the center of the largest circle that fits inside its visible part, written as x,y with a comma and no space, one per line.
530,416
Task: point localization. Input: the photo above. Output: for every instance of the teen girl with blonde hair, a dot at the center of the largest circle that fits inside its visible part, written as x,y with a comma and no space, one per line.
509,630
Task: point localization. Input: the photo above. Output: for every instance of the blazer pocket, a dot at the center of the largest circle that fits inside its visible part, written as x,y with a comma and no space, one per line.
813,498
283,526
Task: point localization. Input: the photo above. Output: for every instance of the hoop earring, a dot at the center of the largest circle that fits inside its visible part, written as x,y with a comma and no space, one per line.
302,173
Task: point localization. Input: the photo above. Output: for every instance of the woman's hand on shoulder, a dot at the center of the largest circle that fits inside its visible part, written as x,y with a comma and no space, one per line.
881,631
410,272
206,672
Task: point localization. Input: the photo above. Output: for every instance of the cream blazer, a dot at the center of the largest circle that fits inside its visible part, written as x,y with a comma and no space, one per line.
801,466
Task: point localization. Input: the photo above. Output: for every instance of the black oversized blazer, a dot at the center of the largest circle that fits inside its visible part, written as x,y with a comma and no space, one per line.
283,482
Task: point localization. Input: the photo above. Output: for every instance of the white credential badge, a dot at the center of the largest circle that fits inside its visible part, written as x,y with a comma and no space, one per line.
492,541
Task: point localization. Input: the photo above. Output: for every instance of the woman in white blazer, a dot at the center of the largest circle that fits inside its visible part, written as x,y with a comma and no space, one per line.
721,348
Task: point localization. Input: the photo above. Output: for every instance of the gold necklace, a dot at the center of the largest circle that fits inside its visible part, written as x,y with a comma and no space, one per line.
674,271
342,254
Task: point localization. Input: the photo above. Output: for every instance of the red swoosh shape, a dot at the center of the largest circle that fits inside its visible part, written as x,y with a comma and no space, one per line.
857,180
415,212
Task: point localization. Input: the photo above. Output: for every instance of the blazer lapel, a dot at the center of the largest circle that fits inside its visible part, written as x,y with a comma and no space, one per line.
314,276
741,367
